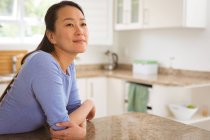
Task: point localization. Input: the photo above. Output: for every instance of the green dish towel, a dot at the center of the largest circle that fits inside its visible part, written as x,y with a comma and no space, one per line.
137,98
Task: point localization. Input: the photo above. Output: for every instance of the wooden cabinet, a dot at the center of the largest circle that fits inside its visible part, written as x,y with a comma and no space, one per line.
140,14
99,19
115,96
95,88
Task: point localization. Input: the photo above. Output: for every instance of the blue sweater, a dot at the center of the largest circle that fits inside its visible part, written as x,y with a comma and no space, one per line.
41,93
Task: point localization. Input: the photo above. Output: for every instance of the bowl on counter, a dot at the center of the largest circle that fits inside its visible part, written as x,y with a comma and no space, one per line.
182,112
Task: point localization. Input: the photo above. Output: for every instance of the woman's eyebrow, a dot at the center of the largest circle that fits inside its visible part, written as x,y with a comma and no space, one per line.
73,19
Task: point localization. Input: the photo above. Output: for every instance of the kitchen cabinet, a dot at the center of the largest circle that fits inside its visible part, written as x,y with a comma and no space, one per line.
82,87
107,93
129,14
115,96
161,96
95,88
143,14
2,88
175,13
99,19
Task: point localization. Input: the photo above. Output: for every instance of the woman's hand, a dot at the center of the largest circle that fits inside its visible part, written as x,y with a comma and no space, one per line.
73,132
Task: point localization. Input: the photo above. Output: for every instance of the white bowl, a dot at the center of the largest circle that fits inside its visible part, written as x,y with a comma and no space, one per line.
181,112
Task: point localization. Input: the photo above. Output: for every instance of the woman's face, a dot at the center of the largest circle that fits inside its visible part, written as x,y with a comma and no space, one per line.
71,33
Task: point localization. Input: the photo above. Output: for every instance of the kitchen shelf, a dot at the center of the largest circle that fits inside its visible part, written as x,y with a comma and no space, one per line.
195,119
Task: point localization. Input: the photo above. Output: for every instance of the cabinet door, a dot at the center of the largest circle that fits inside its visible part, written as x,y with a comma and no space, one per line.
97,90
116,93
162,13
82,87
174,13
119,11
2,88
99,19
161,96
128,14
195,13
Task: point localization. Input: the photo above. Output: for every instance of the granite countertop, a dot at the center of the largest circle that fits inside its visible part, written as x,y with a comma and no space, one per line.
133,126
160,79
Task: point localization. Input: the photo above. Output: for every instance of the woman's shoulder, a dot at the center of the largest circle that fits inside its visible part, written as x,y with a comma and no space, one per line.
39,55
41,58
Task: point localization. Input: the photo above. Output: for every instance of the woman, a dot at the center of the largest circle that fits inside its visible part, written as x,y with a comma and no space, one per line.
45,88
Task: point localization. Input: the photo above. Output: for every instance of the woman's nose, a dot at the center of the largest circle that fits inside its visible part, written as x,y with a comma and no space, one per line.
79,30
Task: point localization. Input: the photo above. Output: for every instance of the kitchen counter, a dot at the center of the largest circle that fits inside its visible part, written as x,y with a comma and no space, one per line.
126,74
160,79
134,126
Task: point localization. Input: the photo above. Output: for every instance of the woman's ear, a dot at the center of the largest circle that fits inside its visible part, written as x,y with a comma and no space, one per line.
51,37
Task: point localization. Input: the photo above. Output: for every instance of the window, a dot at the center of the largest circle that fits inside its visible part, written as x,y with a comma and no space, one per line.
23,20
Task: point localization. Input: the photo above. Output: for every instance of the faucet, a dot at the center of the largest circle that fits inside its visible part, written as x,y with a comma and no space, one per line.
14,64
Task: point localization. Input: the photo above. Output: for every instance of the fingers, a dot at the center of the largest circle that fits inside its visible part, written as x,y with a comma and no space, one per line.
59,134
66,124
76,132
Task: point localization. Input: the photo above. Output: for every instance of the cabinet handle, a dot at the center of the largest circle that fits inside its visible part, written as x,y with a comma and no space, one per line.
91,90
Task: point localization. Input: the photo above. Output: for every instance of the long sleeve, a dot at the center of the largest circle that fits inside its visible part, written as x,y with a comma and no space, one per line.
47,85
74,100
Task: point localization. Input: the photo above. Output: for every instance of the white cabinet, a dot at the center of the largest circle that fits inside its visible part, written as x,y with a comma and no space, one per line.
140,14
161,96
82,87
175,13
2,88
107,93
99,19
129,14
95,88
115,98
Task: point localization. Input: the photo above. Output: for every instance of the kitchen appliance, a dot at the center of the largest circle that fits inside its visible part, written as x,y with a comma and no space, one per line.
112,60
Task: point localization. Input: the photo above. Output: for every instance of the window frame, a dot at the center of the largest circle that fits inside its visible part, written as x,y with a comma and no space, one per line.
19,19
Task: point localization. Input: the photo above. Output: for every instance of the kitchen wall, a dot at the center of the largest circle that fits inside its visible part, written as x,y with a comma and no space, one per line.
188,48
93,55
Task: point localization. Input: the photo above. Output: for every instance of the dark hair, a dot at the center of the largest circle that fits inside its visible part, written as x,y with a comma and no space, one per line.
45,45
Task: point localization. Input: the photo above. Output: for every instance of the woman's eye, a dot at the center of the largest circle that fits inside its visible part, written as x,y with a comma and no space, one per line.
84,24
71,25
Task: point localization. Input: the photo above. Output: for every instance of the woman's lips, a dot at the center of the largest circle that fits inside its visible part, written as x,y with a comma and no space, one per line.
79,41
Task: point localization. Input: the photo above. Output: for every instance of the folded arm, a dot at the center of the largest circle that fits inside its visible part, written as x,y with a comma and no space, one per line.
85,111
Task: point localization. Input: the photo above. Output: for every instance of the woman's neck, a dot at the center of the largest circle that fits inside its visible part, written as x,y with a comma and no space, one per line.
64,59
